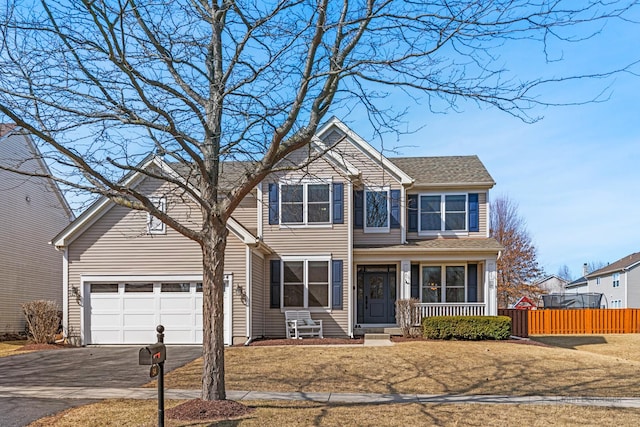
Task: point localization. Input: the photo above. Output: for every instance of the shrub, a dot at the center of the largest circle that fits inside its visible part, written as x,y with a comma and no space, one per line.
43,320
408,316
467,327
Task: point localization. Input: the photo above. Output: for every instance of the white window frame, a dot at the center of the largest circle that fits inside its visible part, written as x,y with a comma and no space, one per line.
387,227
616,279
305,203
154,225
305,282
443,281
443,215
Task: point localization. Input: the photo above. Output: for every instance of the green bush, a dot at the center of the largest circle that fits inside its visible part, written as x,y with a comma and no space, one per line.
467,327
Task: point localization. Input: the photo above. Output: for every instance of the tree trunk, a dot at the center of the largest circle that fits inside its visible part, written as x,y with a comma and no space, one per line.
213,247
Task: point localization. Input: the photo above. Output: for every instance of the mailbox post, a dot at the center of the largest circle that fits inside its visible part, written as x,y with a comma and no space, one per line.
155,355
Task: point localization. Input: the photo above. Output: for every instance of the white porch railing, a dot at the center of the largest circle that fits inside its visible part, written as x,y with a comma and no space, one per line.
452,309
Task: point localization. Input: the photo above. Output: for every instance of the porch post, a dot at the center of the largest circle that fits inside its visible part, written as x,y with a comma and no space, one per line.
491,291
405,277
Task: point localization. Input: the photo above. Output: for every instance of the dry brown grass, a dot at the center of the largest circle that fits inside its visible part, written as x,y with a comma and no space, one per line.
620,346
9,348
279,413
426,367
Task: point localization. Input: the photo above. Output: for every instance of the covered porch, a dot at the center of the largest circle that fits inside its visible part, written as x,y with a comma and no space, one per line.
450,277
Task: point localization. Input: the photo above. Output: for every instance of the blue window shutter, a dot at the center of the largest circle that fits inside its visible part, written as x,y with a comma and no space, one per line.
273,203
336,283
358,209
338,203
474,212
275,284
395,208
415,281
472,283
412,212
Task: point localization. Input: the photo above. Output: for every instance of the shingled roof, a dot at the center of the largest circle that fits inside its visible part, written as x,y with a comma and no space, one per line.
449,170
619,265
439,244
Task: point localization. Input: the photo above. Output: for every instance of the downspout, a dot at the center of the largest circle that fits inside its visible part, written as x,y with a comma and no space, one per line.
65,291
248,274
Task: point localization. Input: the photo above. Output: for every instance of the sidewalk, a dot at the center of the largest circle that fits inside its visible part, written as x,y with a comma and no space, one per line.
151,393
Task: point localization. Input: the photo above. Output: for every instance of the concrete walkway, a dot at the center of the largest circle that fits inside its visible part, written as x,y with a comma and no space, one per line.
47,392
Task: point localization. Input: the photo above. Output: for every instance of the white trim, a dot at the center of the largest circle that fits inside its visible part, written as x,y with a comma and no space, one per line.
443,280
248,273
65,292
403,215
366,148
260,197
339,160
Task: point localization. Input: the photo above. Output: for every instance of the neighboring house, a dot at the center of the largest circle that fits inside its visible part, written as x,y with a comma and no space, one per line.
344,237
551,284
619,282
31,211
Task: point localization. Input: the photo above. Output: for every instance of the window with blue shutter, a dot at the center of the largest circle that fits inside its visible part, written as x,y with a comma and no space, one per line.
474,212
338,203
412,212
336,284
395,208
273,203
358,209
275,284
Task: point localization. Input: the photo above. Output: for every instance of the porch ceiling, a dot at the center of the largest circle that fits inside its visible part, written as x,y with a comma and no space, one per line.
435,246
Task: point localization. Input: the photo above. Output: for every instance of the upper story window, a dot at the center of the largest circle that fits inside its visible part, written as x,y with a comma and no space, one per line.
443,212
376,210
305,203
154,225
616,280
597,280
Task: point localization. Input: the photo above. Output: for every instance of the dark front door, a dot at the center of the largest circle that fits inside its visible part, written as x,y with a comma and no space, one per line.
379,294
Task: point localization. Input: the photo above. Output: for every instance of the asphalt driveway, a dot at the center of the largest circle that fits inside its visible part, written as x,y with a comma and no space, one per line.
98,367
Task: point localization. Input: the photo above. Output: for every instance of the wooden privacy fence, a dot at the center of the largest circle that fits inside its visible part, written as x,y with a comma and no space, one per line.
584,321
519,321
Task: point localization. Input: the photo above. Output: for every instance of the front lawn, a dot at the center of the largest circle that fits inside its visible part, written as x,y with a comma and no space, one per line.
425,367
9,348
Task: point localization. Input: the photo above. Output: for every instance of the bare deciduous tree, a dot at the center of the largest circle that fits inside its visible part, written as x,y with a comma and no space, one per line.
517,267
565,273
102,85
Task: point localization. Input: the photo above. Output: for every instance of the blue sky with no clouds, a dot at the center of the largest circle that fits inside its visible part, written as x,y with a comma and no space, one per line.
575,174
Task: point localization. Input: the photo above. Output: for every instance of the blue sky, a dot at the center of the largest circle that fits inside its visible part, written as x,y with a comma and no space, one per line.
575,174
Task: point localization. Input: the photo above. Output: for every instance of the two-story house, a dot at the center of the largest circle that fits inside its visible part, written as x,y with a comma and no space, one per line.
32,209
343,237
618,282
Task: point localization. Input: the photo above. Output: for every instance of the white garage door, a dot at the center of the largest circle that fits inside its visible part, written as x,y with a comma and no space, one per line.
128,312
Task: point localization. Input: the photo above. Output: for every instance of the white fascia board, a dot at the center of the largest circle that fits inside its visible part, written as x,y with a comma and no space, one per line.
367,148
95,211
336,158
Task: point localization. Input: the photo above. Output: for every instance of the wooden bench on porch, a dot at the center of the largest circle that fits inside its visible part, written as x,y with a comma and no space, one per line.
300,324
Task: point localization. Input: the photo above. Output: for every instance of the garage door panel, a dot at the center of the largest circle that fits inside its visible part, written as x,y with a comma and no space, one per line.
176,303
170,321
139,320
139,304
139,336
105,337
101,302
99,319
184,336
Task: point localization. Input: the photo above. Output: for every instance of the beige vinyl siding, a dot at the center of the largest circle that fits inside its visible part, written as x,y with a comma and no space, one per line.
247,212
483,210
31,213
117,244
235,263
258,286
331,240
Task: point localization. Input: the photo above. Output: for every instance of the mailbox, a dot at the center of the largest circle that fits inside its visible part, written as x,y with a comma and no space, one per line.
152,355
